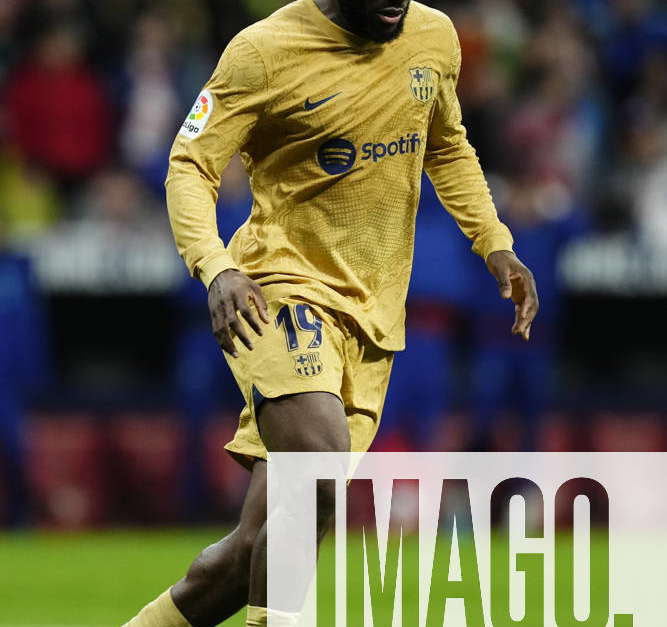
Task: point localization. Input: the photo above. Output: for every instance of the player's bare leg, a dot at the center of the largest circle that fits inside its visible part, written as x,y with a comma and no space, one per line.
230,574
217,583
302,422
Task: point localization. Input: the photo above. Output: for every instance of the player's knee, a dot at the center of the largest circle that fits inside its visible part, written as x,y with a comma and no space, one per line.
246,539
203,570
216,560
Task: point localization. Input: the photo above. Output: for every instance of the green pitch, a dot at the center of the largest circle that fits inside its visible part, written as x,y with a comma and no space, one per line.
91,580
103,579
96,579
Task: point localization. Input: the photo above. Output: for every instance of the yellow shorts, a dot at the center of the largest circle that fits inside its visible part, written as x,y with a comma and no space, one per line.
308,348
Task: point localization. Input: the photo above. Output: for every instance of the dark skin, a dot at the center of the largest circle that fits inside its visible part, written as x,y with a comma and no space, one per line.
377,20
232,573
233,296
515,281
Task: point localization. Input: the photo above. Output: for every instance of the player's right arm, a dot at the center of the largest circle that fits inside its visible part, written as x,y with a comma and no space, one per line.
220,124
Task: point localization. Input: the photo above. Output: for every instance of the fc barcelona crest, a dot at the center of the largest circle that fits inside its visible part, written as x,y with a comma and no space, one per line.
308,364
422,84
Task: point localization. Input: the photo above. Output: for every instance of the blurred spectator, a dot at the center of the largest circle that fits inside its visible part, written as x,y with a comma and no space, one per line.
643,155
117,239
115,203
484,85
506,26
57,113
29,203
153,107
638,28
557,125
22,372
8,14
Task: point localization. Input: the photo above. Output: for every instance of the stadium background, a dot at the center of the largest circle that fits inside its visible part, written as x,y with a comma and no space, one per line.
114,399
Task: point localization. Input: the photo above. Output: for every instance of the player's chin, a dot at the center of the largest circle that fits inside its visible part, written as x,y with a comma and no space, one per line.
382,32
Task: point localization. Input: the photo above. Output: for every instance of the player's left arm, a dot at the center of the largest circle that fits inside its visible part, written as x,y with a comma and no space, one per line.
453,167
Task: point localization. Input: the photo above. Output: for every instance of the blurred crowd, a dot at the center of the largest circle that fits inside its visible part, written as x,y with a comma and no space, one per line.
565,101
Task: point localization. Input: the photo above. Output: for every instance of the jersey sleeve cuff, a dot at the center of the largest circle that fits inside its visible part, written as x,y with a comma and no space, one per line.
211,268
494,243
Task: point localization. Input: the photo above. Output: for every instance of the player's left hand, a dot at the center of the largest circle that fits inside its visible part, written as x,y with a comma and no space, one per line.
515,281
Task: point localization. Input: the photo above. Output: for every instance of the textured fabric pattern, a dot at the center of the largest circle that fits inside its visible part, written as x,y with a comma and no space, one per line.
335,132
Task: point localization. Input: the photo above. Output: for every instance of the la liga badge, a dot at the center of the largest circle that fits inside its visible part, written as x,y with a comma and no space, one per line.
198,117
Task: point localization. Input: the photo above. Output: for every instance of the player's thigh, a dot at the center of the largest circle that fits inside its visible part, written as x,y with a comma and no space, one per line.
253,512
307,422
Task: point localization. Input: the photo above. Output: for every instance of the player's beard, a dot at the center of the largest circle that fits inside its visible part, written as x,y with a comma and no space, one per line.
362,22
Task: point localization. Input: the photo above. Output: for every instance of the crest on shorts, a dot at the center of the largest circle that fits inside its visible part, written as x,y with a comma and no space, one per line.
422,83
308,364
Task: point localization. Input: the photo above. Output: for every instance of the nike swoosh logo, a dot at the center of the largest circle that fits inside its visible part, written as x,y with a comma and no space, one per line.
309,106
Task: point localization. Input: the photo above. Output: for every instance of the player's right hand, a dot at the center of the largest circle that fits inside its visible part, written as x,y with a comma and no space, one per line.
231,293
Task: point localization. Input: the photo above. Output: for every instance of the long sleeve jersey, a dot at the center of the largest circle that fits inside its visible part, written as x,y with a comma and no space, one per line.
334,131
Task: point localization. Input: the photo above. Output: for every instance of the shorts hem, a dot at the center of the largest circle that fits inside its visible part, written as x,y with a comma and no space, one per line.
248,455
246,460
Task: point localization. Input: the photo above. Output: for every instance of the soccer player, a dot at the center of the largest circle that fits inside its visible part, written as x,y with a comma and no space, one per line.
335,106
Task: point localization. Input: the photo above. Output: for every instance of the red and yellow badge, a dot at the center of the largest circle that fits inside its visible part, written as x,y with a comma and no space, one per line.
198,116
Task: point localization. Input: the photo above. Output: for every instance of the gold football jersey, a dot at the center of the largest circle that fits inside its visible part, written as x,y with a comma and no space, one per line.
334,131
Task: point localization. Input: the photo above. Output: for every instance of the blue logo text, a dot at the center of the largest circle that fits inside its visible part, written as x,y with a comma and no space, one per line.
409,144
